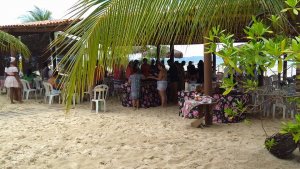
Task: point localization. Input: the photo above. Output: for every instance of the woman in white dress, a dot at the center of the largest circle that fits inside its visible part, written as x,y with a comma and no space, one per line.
12,80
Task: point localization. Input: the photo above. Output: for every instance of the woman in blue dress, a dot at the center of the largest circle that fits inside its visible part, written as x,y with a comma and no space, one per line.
135,83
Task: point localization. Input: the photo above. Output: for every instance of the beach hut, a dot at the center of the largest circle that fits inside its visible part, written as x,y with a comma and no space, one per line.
37,36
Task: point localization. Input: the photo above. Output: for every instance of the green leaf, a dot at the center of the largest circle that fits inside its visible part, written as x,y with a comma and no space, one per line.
297,117
227,91
270,143
295,11
286,9
296,137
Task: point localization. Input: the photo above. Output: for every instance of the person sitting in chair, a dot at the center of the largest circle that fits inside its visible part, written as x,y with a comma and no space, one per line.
53,80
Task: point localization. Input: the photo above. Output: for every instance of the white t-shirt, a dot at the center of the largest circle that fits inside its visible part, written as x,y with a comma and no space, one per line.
11,70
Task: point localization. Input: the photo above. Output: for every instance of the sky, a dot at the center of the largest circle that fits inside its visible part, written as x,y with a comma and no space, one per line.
10,10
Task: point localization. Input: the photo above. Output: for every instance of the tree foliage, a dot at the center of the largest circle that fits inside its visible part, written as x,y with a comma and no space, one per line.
37,14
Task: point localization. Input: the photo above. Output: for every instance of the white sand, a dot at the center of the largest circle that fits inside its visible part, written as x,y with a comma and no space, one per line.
35,135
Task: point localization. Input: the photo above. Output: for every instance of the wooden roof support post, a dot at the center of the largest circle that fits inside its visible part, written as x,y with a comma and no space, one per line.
207,72
172,52
207,80
158,52
53,51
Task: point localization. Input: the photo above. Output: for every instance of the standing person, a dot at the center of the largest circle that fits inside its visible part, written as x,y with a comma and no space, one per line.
162,84
153,68
45,72
135,83
200,78
128,70
173,79
12,80
145,67
191,71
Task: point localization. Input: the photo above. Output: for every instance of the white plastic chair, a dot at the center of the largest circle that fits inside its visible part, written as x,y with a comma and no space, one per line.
100,94
37,84
279,102
49,92
27,89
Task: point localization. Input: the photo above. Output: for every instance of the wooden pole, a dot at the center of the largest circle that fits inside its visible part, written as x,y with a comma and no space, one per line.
53,51
207,72
157,52
172,52
207,80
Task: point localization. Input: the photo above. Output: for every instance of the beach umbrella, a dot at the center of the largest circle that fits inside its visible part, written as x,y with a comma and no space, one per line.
152,51
177,54
164,52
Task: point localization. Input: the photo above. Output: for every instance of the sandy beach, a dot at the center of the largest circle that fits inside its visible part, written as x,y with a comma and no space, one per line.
36,135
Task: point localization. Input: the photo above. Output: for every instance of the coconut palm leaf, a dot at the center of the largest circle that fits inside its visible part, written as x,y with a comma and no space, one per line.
37,14
114,26
8,42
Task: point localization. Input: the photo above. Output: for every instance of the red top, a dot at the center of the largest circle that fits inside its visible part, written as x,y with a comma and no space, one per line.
145,69
117,72
128,71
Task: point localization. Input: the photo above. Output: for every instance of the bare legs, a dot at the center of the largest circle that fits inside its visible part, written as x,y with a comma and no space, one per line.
136,103
15,93
163,97
11,94
19,94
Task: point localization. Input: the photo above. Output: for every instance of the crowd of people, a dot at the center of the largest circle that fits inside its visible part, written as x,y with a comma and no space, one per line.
169,82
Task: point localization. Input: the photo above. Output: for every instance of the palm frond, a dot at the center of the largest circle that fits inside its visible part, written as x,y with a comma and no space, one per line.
8,42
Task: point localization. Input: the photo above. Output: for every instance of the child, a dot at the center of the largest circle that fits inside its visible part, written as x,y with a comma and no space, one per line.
135,83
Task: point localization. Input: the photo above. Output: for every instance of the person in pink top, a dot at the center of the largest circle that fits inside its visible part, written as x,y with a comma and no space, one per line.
12,80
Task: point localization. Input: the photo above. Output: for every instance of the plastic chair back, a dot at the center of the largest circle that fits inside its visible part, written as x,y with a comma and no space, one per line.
37,83
25,85
48,88
100,92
